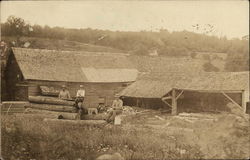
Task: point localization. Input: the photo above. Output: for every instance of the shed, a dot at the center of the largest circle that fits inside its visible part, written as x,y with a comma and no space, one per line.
102,75
205,91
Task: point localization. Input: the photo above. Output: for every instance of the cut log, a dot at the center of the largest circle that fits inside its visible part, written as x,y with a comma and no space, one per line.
62,115
50,100
51,107
36,115
95,117
76,122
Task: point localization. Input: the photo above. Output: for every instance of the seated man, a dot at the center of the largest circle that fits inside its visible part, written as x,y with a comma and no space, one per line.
64,93
116,108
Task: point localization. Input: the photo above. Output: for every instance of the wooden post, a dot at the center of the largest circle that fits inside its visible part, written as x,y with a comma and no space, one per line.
174,102
243,103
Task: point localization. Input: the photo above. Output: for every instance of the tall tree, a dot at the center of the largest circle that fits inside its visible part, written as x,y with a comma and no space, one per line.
17,27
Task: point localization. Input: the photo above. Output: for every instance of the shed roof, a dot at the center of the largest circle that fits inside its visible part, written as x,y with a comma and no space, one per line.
157,85
52,65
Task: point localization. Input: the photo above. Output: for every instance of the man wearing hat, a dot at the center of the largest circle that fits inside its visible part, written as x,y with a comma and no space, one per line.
64,93
80,94
116,108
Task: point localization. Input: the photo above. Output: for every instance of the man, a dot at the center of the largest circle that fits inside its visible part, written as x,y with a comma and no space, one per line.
80,94
64,93
116,108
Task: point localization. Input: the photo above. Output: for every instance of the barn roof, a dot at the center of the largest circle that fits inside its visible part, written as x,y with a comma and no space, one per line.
107,75
157,85
166,64
52,65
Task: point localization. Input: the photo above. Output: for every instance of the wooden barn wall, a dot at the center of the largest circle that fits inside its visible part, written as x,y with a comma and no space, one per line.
13,77
205,102
94,91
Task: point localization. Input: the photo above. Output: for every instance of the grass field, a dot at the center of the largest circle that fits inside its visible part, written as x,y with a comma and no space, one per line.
143,136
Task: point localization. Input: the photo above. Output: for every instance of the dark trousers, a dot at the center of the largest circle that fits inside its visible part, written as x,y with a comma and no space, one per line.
77,101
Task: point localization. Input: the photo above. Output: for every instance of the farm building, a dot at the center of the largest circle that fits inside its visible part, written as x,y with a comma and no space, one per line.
182,92
36,71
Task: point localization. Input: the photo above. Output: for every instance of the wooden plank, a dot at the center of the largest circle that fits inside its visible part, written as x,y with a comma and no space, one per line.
232,100
243,102
174,102
213,91
179,95
163,100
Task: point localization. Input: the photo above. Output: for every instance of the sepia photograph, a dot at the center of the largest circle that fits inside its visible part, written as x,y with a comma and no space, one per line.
124,80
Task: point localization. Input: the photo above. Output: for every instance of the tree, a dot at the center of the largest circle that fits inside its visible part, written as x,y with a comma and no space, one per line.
17,27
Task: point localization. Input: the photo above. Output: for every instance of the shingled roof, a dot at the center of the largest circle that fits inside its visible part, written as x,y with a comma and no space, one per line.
162,64
159,84
52,65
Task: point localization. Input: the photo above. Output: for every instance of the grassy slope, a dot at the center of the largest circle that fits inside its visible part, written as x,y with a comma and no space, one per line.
140,137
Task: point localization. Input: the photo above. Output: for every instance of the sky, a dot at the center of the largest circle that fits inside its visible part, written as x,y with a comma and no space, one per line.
219,18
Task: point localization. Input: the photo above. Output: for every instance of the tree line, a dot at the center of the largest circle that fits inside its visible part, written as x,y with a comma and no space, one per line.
177,44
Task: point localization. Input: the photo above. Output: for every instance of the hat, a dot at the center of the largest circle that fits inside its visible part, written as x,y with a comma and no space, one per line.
81,86
63,86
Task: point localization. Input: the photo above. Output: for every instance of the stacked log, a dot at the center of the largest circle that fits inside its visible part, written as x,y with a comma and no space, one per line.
51,107
61,115
50,100
95,117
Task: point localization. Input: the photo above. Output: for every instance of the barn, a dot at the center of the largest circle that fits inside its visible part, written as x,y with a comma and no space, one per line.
40,71
186,92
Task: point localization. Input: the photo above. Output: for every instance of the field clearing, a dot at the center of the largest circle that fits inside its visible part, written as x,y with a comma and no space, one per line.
149,135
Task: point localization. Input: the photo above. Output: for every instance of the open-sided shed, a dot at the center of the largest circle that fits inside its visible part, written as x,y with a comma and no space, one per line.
181,92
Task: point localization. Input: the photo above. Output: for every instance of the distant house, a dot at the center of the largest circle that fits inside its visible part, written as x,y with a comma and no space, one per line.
185,92
103,75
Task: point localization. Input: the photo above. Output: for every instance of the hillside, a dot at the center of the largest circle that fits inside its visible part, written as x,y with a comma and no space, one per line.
57,44
162,43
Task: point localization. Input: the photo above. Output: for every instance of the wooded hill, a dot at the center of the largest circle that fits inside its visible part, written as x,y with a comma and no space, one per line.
175,44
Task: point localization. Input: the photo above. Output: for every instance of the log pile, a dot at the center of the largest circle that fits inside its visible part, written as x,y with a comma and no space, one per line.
50,100
61,112
61,115
51,107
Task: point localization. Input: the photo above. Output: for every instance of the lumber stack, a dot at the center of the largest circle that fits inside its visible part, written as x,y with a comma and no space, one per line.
51,104
62,115
51,107
50,100
99,116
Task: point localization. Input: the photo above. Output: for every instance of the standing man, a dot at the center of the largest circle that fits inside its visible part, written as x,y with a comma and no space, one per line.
79,100
116,108
64,93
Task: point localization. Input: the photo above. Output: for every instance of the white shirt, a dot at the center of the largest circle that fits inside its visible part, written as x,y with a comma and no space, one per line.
80,93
